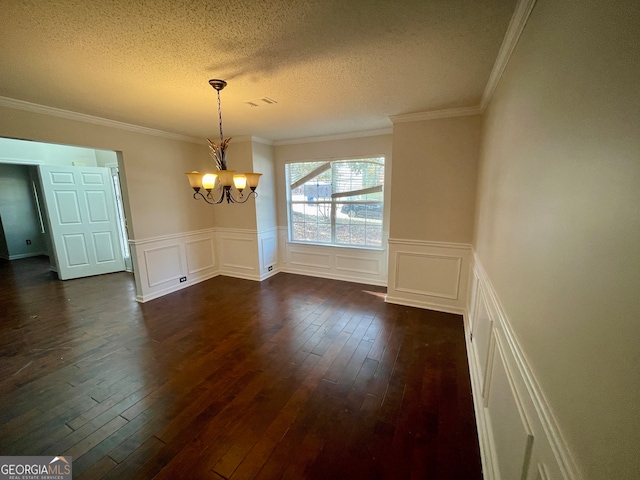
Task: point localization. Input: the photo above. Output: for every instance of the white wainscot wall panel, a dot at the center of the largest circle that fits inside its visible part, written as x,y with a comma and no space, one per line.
519,438
268,253
357,264
298,257
360,265
239,253
164,264
429,275
200,255
482,335
160,262
512,436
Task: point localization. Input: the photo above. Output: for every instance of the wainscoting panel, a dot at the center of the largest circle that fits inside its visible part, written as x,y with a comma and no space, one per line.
429,275
359,265
300,258
483,337
160,262
353,263
268,241
519,438
164,264
239,253
200,255
512,434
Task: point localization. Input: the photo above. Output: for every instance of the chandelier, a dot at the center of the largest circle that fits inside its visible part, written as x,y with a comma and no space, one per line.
225,184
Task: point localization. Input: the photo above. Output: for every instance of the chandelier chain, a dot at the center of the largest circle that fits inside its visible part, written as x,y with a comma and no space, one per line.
220,117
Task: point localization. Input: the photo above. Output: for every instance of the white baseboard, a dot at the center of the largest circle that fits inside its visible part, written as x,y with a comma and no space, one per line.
269,274
175,288
24,255
424,304
241,275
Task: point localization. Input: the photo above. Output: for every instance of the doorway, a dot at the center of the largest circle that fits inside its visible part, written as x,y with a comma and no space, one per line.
25,226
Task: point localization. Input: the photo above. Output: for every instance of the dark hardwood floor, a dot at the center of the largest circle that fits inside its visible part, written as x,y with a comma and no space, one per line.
295,377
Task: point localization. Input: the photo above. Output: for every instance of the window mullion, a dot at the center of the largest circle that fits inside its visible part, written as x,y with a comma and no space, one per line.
334,236
333,205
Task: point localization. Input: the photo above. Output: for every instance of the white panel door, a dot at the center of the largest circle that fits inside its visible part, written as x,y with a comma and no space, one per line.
83,221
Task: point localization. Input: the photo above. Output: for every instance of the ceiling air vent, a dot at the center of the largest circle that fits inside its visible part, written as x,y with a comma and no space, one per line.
261,102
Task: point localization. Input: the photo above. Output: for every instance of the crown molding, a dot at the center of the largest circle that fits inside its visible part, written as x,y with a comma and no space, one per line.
264,141
514,31
81,117
435,114
253,139
339,136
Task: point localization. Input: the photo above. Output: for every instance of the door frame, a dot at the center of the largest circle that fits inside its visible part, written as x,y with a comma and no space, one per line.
122,216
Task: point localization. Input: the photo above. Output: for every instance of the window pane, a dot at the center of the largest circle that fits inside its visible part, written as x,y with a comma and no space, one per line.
342,234
310,222
296,171
324,233
355,176
373,235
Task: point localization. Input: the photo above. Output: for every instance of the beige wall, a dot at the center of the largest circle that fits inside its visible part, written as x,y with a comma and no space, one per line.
157,195
558,223
266,200
323,150
434,179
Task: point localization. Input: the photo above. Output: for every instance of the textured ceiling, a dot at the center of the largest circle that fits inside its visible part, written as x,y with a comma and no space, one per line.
333,66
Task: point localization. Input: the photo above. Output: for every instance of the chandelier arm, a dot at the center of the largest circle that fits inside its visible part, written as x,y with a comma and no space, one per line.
225,194
209,198
242,199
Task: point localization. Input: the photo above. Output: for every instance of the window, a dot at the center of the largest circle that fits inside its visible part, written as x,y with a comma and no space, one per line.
337,202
